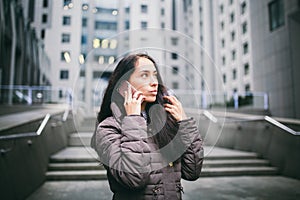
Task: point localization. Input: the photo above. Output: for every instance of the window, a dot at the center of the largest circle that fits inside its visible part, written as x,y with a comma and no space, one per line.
221,8
144,9
232,35
245,48
65,38
45,3
64,74
85,7
223,60
276,14
230,2
43,34
232,17
144,25
174,41
83,39
244,27
162,12
162,25
127,10
65,56
175,70
44,18
175,85
224,78
247,87
243,8
97,74
234,74
246,69
61,94
84,22
127,25
68,4
101,25
174,56
223,43
233,54
66,20
222,25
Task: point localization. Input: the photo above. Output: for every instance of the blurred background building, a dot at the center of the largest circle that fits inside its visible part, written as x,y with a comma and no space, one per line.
210,52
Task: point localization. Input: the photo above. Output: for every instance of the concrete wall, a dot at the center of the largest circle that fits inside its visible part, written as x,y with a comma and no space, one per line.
22,170
279,147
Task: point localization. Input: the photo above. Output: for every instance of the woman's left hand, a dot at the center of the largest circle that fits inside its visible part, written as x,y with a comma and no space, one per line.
175,108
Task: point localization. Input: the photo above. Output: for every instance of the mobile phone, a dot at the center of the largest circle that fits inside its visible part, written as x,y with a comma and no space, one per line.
169,92
124,88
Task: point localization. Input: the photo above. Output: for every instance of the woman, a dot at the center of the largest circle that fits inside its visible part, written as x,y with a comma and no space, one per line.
143,137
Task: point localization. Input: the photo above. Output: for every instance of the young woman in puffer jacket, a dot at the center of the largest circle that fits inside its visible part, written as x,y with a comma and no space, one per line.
143,136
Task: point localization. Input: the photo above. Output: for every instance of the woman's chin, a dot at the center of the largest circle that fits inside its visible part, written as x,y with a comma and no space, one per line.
150,99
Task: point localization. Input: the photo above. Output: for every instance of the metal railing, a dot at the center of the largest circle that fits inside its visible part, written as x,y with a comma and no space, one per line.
268,119
38,132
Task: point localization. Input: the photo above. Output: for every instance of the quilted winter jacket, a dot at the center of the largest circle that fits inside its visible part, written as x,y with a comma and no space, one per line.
135,168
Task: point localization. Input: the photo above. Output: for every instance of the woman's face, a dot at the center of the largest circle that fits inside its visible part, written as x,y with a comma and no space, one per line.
144,79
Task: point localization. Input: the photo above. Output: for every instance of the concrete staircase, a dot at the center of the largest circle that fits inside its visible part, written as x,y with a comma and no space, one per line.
79,162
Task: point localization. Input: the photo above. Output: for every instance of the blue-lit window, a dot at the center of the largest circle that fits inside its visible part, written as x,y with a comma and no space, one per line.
84,22
83,39
66,20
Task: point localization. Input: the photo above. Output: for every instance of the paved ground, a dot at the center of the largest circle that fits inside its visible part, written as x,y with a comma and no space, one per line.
215,188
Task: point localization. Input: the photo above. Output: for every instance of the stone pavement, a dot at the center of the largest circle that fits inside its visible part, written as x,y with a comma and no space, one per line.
212,188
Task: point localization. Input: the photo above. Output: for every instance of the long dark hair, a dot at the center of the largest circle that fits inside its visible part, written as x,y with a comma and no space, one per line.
124,69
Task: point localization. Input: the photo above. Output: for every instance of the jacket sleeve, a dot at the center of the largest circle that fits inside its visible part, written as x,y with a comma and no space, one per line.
192,159
124,150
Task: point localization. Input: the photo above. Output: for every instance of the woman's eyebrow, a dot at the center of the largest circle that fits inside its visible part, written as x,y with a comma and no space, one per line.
146,70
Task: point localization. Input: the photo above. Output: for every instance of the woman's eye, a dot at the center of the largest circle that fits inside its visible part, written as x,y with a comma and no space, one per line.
144,75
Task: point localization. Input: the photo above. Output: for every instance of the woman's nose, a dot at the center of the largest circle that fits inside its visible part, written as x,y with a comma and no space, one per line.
153,81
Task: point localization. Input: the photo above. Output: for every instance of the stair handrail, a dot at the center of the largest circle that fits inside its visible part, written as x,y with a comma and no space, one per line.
266,118
281,126
24,135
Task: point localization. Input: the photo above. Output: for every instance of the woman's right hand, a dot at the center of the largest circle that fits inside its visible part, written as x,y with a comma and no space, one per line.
133,102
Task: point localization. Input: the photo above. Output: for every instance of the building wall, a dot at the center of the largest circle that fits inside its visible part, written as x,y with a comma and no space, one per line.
62,81
272,64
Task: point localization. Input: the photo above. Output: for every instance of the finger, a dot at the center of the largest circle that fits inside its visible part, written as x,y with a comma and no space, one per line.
137,94
171,99
129,93
141,98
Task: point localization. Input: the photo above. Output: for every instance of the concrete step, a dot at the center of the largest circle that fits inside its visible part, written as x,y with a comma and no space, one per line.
76,175
206,172
217,153
86,128
75,166
239,171
81,163
74,155
235,162
80,139
89,121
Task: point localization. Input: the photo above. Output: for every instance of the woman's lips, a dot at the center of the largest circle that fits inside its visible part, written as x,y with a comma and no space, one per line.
153,92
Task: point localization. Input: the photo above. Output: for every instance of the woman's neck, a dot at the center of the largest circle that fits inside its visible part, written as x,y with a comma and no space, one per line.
143,106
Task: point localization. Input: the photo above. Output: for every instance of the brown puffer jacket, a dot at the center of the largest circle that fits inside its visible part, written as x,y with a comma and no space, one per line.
135,167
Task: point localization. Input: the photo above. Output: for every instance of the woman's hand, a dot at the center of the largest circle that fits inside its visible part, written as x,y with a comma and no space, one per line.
175,108
133,102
